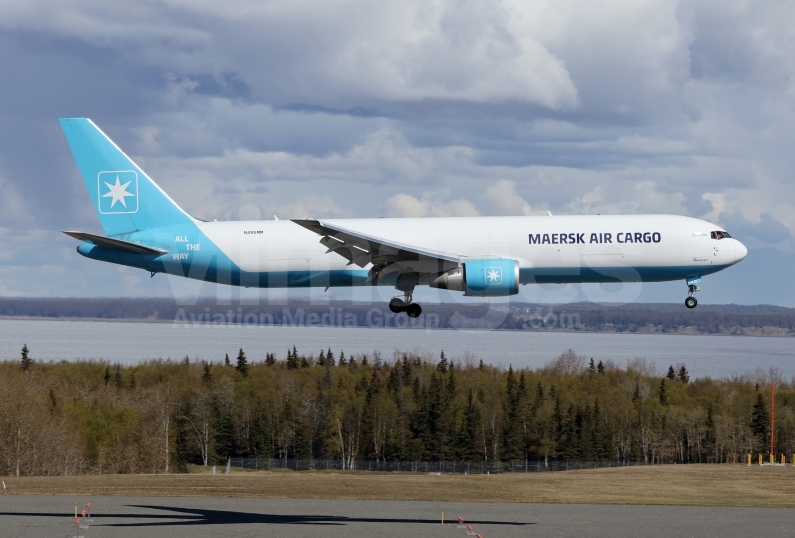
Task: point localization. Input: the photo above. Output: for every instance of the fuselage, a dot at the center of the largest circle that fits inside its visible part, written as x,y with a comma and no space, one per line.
479,256
552,249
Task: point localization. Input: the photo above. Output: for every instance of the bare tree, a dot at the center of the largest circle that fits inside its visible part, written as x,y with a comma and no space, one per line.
199,417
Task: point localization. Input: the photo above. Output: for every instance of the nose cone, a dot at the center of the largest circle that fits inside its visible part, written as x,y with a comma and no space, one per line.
740,252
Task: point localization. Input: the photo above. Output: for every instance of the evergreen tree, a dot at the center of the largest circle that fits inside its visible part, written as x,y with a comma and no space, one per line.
451,386
133,383
117,380
511,433
242,363
227,362
181,446
394,382
591,368
442,366
663,393
25,362
364,359
600,439
330,358
206,373
371,433
292,359
362,385
321,359
304,362
416,390
342,361
406,369
467,445
432,427
709,440
186,361
270,359
684,377
224,434
481,366
600,368
671,372
557,425
539,394
106,377
328,371
760,420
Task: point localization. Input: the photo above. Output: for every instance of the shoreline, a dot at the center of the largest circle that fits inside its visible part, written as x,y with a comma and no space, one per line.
211,325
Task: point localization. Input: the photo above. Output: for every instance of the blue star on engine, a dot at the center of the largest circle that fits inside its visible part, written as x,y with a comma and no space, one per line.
493,275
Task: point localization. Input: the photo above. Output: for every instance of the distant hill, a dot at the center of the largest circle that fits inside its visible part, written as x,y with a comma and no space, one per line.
762,320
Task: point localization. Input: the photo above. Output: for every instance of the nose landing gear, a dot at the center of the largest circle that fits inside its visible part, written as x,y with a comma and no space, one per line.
398,305
692,288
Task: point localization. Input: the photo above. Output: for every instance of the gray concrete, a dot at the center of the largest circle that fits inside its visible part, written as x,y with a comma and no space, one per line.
24,516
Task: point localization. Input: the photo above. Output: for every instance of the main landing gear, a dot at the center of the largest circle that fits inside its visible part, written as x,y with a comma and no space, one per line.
398,305
691,301
405,282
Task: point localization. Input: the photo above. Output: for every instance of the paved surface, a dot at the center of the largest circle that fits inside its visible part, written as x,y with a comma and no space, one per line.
23,516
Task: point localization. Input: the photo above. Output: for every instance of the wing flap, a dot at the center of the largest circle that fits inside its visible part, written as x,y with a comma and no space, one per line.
361,248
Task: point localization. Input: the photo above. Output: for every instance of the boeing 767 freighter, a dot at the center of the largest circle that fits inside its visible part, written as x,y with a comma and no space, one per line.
479,256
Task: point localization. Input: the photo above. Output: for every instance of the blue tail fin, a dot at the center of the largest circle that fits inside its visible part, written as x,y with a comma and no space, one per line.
125,198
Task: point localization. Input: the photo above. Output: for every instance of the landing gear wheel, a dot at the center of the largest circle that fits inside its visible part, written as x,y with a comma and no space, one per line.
397,305
413,310
691,302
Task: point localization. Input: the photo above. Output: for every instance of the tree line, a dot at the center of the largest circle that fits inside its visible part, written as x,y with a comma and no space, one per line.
665,318
161,416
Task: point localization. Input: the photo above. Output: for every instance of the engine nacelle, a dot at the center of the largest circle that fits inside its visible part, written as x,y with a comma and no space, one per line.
481,278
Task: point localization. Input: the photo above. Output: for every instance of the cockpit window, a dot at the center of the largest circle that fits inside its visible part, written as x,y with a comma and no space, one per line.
719,235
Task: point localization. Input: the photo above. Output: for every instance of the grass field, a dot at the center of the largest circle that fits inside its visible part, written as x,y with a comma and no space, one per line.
697,485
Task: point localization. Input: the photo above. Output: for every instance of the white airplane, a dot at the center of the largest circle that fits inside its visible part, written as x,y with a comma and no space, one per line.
479,256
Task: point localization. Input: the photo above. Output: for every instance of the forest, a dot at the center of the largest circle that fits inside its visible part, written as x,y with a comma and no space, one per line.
66,418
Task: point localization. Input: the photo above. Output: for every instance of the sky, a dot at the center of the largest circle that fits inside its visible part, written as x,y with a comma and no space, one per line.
244,109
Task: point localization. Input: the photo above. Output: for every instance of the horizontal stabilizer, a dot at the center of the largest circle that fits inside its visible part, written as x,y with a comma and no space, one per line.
116,244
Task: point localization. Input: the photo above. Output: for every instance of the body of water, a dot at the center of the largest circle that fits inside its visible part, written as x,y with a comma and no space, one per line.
130,343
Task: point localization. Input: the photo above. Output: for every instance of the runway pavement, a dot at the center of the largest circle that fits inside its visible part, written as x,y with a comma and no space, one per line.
27,516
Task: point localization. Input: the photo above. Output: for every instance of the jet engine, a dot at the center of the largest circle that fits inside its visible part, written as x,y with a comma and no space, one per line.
481,278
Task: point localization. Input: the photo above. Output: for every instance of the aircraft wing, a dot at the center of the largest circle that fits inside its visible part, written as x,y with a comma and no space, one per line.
361,249
116,244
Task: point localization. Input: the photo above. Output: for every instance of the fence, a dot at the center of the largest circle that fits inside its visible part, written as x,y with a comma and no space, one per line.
423,466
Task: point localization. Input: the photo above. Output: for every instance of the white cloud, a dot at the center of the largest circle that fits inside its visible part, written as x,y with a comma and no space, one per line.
508,202
411,51
432,204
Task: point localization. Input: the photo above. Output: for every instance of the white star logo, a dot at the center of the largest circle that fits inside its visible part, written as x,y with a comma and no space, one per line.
117,192
493,275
